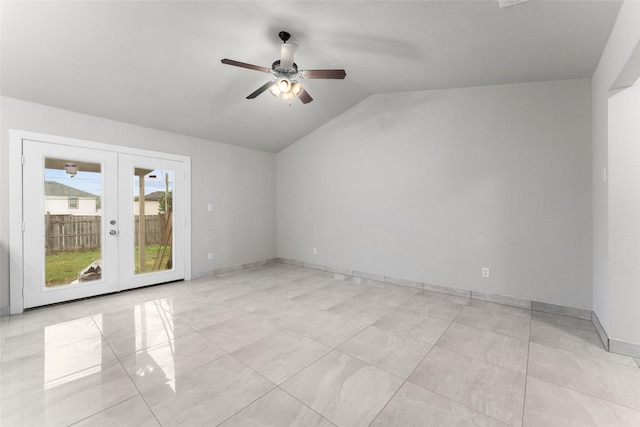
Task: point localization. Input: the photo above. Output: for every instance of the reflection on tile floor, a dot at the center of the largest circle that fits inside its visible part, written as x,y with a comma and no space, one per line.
281,345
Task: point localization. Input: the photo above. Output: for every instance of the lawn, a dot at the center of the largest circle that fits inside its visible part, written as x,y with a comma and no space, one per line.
62,269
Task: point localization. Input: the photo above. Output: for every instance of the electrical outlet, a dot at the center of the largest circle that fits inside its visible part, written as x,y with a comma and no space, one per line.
315,251
485,272
210,256
209,208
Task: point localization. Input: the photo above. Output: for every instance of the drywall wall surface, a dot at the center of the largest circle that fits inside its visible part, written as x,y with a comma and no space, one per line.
433,186
623,41
238,182
624,214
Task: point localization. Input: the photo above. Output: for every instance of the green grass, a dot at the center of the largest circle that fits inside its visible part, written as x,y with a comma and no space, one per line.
150,252
62,269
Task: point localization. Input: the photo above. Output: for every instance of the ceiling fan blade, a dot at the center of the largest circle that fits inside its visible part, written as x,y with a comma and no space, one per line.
261,89
245,65
323,74
305,97
287,54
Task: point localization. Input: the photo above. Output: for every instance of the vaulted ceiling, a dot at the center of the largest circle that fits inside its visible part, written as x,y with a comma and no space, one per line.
157,64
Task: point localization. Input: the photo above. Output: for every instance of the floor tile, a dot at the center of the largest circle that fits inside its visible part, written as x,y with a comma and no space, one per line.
239,331
414,325
282,312
494,391
567,322
433,307
202,317
147,316
500,350
327,328
160,356
130,413
362,308
562,310
183,303
41,318
345,390
125,318
573,339
550,405
114,302
590,375
430,287
414,406
168,290
158,364
392,295
292,289
207,395
49,337
277,409
386,350
69,399
494,321
134,329
255,300
221,294
500,308
35,370
439,296
281,355
328,296
300,286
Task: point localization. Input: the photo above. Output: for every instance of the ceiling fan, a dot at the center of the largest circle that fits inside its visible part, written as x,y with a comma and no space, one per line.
285,83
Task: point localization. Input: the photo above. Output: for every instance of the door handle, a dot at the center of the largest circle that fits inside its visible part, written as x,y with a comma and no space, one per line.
113,232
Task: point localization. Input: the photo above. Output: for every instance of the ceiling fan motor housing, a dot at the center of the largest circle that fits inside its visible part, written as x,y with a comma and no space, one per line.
290,72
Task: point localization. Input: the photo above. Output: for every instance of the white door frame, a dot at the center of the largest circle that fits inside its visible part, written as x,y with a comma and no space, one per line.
16,244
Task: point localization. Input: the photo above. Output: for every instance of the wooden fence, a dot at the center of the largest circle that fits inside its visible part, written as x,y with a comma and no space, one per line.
69,233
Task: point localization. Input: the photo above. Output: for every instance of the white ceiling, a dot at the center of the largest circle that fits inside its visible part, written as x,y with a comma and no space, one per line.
157,64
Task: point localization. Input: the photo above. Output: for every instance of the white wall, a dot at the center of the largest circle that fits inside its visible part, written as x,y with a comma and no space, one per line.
432,186
238,182
611,300
624,213
151,207
59,205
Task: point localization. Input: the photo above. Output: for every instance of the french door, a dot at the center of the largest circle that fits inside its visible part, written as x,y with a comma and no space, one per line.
98,221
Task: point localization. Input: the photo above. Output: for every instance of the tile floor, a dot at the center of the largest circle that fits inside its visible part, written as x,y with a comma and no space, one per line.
280,345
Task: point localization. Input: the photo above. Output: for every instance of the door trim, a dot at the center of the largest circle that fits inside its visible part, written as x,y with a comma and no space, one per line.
16,242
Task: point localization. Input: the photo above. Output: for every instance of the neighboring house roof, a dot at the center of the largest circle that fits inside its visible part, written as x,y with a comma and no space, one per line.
52,188
151,197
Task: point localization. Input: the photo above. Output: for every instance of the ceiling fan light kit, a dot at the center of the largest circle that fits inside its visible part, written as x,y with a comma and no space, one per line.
285,85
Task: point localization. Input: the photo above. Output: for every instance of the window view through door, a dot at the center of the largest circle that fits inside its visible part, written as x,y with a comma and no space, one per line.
73,221
153,219
96,221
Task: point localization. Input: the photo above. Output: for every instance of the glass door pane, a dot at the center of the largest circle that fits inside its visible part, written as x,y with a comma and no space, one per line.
153,219
152,195
70,230
72,222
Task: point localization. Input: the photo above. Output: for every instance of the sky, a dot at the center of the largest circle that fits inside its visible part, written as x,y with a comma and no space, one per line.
91,182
